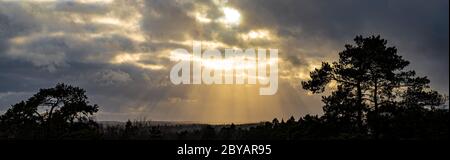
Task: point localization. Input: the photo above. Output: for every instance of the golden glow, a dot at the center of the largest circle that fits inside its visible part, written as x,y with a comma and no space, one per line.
108,20
18,40
129,27
201,17
332,85
133,36
213,44
123,58
227,64
231,17
219,104
224,64
135,59
256,34
150,66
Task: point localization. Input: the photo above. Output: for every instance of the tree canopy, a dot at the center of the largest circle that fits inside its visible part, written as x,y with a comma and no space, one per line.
371,79
51,113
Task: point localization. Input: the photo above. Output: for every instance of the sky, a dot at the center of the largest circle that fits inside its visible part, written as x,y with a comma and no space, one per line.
119,50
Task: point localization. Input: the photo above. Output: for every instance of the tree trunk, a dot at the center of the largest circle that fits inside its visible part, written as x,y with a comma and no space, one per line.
51,111
375,95
359,105
375,100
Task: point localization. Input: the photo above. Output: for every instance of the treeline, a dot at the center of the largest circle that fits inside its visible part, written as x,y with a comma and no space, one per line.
403,124
22,122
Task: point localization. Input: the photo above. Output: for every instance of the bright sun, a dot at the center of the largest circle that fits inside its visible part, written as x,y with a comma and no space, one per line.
232,16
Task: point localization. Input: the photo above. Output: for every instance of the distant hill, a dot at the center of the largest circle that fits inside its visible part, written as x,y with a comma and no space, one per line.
173,123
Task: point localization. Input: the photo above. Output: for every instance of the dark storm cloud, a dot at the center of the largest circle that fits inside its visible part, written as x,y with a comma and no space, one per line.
419,29
75,7
341,20
167,20
42,44
14,21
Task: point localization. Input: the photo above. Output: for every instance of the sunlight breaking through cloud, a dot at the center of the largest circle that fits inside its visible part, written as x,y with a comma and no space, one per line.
87,42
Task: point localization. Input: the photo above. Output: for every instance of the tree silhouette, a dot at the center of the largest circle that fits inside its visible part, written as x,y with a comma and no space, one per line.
208,132
51,113
369,75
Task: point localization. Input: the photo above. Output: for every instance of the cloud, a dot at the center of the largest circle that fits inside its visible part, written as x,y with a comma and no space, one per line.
118,50
110,77
167,20
320,28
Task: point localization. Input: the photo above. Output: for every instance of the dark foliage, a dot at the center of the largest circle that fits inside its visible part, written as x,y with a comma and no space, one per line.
62,112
